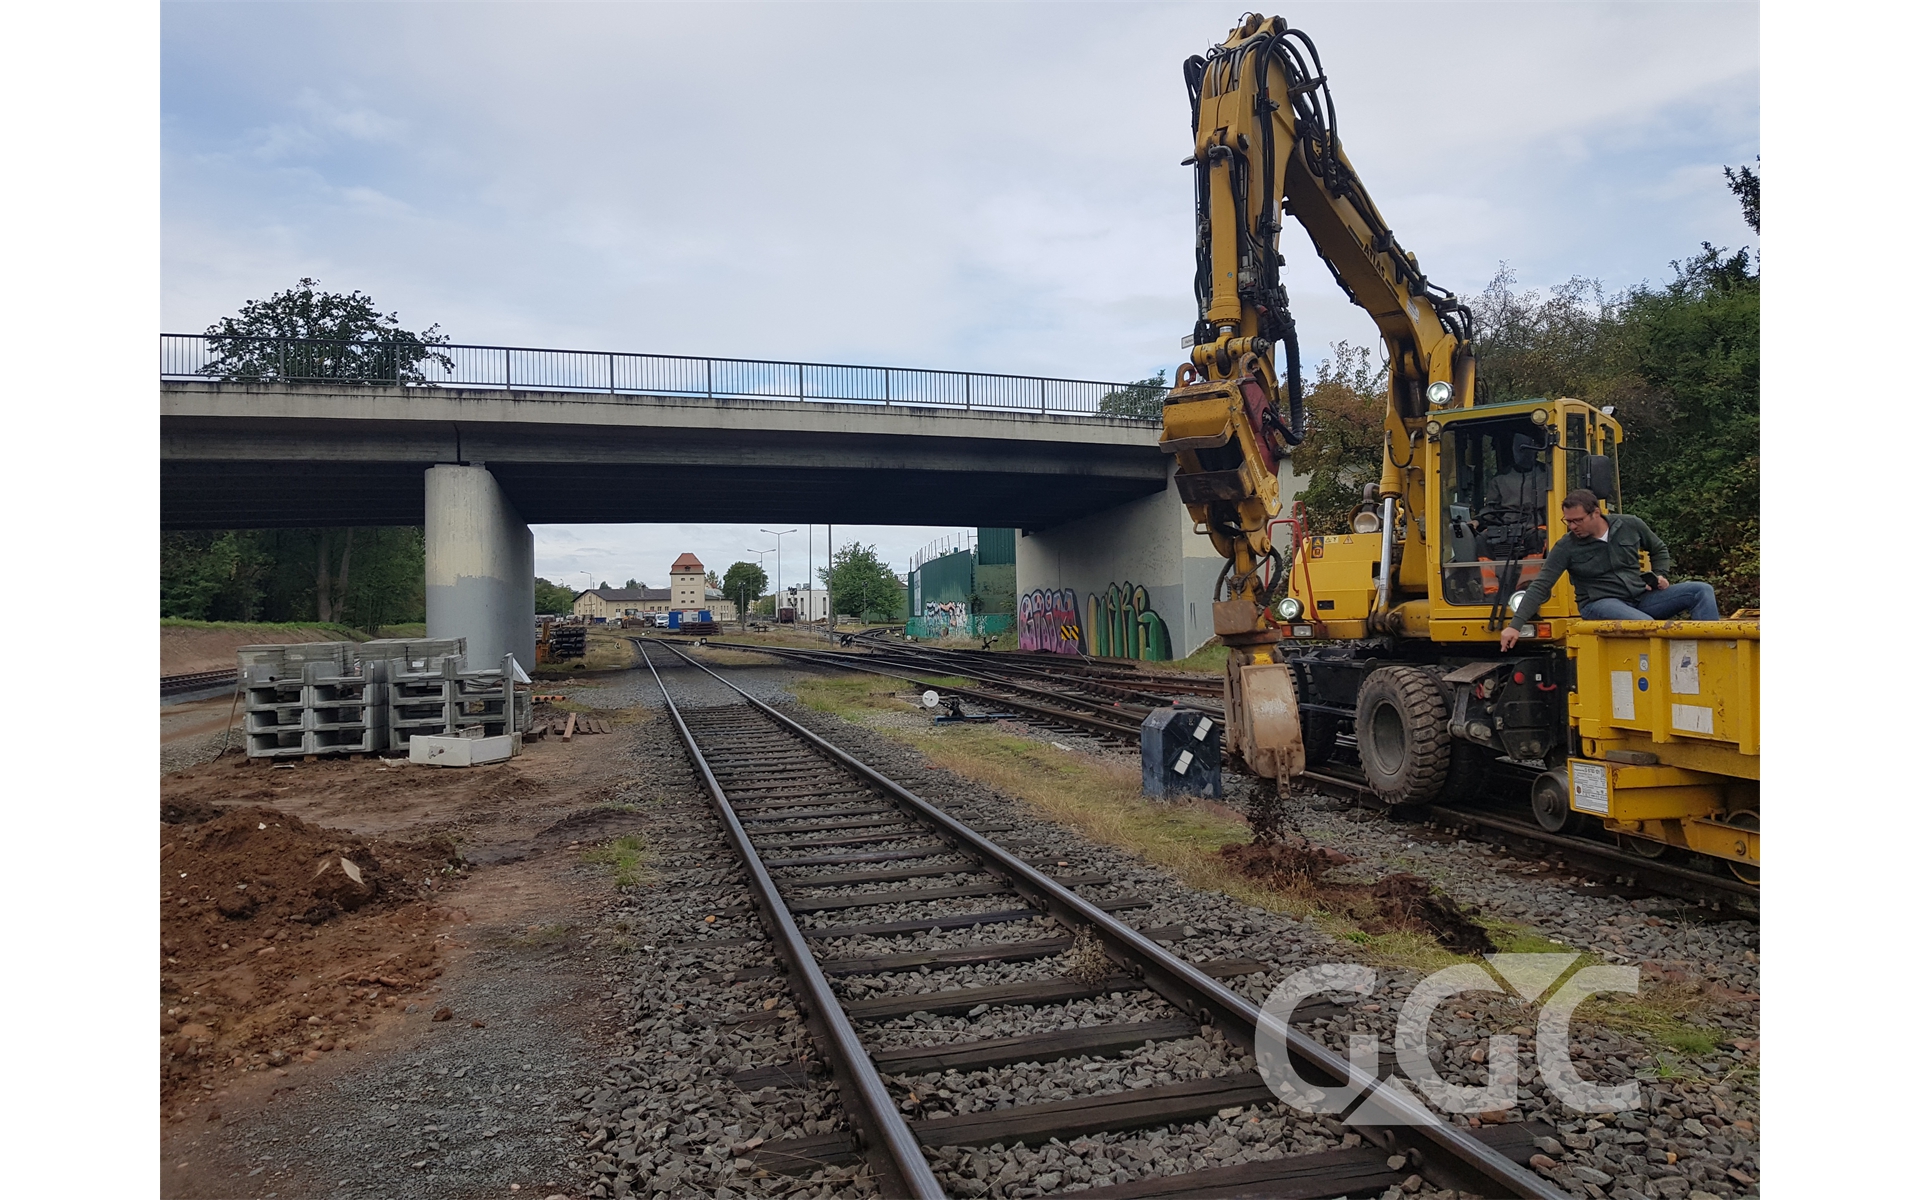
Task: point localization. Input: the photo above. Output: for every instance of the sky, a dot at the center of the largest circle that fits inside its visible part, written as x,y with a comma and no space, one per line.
991,187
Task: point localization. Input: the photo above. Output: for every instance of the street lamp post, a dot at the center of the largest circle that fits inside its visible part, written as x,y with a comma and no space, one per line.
777,534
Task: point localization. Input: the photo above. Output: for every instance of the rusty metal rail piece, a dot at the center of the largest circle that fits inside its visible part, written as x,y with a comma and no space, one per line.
902,1165
1448,1152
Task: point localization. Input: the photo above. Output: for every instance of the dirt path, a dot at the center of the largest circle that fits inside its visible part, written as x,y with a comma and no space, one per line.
315,1041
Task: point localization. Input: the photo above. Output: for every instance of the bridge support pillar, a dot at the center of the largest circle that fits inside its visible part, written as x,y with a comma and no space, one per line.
479,567
1135,580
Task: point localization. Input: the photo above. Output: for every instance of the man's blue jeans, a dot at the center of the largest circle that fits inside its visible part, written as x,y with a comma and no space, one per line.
1657,606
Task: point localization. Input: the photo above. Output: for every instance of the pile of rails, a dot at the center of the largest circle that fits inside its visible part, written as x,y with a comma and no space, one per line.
561,641
315,699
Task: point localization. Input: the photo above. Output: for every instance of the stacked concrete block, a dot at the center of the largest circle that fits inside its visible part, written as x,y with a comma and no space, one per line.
449,699
320,710
329,698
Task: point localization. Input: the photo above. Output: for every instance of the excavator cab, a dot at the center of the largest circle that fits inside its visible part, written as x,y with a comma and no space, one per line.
1496,484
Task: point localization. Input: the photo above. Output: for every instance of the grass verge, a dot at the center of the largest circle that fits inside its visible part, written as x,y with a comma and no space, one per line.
626,857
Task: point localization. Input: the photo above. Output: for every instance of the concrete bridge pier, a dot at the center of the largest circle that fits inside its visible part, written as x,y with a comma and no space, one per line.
479,567
1140,559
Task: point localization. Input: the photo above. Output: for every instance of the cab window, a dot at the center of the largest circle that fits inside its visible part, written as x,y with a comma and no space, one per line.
1496,477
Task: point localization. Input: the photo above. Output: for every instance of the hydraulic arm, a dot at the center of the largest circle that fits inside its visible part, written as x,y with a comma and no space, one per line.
1267,144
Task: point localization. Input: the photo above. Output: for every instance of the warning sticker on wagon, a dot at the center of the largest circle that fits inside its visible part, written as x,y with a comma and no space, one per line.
1589,787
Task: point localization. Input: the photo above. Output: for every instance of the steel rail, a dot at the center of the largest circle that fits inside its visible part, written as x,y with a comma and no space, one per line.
902,1164
1680,882
193,681
1448,1154
1087,720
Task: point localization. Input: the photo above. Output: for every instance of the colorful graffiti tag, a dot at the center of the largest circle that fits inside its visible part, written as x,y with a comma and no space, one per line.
1122,624
940,618
1049,620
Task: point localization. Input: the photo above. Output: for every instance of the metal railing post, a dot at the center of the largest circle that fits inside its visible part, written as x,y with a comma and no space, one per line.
967,390
609,374
509,369
803,382
709,363
886,385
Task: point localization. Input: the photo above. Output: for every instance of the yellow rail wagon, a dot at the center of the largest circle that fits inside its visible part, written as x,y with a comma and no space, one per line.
1666,715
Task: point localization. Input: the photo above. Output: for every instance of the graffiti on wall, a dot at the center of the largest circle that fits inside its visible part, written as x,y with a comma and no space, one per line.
1049,620
942,617
1122,624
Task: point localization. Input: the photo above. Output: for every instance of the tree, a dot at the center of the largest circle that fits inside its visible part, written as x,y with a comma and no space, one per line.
368,577
763,607
1143,398
1345,404
634,583
744,579
553,598
713,581
859,584
1746,188
304,333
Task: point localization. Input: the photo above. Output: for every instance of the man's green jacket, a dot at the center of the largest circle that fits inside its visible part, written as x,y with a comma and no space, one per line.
1608,570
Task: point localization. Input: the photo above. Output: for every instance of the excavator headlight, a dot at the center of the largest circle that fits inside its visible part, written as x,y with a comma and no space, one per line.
1433,429
1514,601
1439,394
1289,609
1539,416
1366,521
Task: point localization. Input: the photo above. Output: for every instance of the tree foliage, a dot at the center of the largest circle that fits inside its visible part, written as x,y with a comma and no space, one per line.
1679,362
553,598
368,577
744,578
1142,398
1746,188
1341,447
859,584
305,333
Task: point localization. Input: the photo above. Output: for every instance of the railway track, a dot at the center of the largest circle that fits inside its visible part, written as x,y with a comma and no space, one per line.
198,681
823,836
1120,721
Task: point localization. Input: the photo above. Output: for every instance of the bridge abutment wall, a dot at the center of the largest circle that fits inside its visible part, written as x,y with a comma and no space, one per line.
479,567
1095,568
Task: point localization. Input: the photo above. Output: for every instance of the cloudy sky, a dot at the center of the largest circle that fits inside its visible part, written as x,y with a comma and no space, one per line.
978,186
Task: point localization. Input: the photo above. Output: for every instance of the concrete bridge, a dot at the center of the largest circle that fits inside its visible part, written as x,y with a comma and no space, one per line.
475,462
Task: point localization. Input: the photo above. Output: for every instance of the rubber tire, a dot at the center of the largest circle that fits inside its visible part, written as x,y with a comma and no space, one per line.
1469,771
1400,724
1317,729
1552,808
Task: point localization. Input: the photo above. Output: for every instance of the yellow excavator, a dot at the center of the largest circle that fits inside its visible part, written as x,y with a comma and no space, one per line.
1389,629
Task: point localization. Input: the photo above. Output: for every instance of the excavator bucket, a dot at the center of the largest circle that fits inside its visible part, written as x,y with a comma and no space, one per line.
1263,718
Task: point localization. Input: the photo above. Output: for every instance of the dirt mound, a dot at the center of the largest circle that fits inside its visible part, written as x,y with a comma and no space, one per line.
184,649
1282,863
253,861
1395,902
271,930
1408,900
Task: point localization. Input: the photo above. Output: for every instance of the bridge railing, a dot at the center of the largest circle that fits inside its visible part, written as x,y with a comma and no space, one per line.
192,356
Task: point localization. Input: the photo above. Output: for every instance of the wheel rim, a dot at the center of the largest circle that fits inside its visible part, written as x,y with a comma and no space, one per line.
1744,872
1387,735
1550,805
1644,847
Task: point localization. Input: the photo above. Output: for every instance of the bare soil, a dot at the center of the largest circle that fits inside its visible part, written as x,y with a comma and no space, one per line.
1397,902
279,971
184,650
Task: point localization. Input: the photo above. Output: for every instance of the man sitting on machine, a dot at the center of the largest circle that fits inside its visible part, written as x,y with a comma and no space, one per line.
1602,552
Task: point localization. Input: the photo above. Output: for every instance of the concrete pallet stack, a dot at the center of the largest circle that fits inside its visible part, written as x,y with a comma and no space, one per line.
310,699
446,698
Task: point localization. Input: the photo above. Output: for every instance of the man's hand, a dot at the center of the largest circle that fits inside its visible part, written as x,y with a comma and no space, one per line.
1659,583
1508,637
